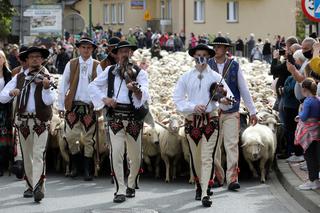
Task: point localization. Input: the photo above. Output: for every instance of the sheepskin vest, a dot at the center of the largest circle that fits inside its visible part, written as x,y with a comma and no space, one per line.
232,81
43,111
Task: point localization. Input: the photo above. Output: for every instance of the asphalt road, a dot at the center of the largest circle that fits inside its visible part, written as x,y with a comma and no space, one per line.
67,195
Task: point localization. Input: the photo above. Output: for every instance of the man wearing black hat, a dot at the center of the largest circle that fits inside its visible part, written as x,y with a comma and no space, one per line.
111,57
201,112
125,113
74,100
23,64
229,119
33,107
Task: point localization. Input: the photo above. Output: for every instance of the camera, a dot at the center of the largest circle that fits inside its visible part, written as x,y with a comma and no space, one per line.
291,59
282,51
201,60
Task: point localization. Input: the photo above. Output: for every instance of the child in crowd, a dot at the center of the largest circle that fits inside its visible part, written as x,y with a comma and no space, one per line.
307,134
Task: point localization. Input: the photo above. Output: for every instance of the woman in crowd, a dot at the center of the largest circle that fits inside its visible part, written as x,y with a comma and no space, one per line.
5,117
308,133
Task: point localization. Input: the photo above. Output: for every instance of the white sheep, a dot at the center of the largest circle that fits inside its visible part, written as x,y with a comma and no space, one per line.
151,148
170,145
258,144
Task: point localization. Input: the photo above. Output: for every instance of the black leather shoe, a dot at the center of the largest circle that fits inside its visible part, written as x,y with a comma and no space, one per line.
87,169
119,198
216,184
198,194
209,192
75,165
206,201
130,192
28,193
38,194
234,186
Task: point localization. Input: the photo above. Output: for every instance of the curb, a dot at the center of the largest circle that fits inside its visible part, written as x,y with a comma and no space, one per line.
309,200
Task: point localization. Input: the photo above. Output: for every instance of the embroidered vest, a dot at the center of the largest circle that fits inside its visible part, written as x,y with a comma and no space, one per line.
43,111
74,80
232,81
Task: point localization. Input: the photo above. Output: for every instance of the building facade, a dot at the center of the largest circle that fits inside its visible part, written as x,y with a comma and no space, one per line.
264,18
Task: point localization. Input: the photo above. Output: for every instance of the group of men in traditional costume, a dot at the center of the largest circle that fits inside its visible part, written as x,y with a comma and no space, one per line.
208,96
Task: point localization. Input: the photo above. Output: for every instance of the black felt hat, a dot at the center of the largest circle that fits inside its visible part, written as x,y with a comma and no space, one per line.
124,44
113,41
211,52
24,54
86,40
220,41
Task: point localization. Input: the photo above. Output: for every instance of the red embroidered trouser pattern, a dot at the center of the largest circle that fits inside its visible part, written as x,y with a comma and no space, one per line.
33,137
202,153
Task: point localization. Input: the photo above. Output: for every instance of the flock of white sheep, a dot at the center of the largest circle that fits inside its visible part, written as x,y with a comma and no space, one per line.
165,138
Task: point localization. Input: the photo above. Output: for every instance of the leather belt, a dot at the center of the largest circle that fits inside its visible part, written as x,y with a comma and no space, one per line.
80,103
27,115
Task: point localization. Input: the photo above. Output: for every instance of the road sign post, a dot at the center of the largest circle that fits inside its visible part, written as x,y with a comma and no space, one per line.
311,9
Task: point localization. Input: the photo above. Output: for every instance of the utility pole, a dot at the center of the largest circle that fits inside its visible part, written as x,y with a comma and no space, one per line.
21,40
90,18
62,27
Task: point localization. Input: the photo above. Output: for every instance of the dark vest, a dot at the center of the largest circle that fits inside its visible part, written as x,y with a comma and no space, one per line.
43,111
139,113
232,81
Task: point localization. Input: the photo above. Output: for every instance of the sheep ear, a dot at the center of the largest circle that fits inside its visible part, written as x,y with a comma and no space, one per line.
165,121
243,145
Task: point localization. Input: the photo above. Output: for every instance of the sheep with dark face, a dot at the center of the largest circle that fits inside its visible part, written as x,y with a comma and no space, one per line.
258,144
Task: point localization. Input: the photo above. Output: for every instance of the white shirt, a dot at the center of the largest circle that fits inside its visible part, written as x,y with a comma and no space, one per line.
188,93
48,95
1,83
99,87
243,88
297,86
99,69
85,76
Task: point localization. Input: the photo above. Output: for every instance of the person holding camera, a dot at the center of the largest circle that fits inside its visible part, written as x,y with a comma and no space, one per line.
279,70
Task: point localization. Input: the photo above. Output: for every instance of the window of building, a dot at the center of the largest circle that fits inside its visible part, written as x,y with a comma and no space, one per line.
232,11
106,12
162,9
121,13
113,13
199,10
169,9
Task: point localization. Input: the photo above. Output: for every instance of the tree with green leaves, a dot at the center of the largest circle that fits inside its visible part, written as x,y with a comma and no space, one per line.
6,13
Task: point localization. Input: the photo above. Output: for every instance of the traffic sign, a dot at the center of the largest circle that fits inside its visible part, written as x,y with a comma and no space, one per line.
311,8
147,15
73,23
